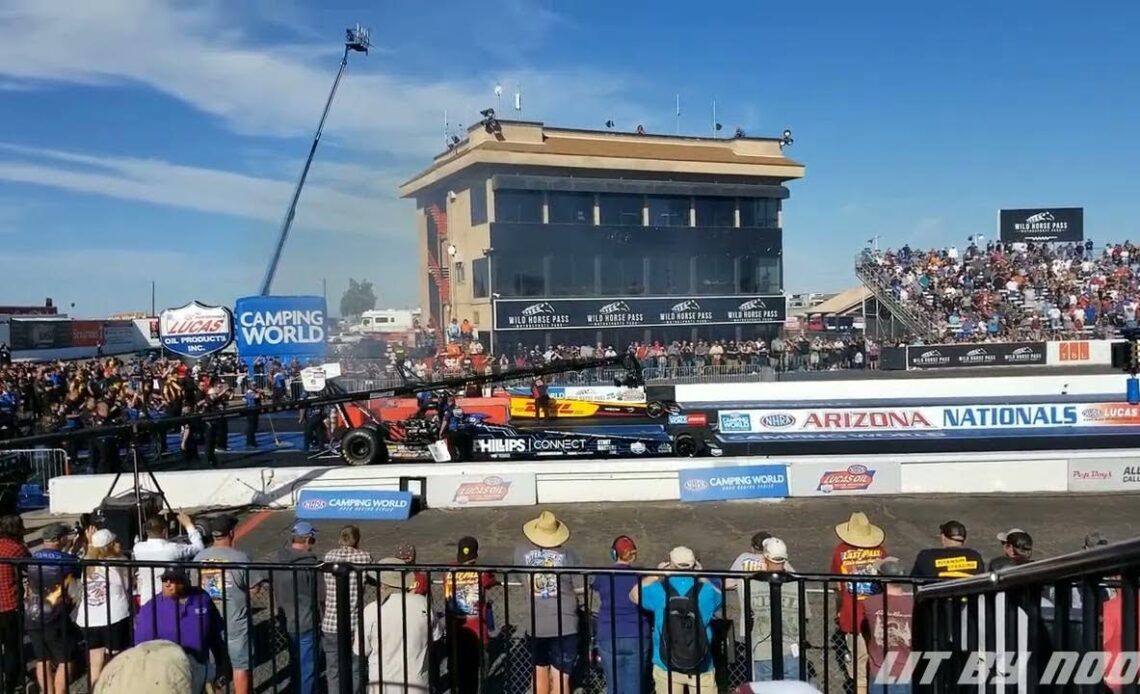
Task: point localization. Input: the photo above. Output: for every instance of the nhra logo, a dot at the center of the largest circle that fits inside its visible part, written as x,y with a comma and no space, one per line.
696,485
854,478
780,420
314,505
500,445
735,421
489,490
540,315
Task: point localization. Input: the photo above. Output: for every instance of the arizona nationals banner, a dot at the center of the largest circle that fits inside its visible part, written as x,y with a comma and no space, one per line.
281,326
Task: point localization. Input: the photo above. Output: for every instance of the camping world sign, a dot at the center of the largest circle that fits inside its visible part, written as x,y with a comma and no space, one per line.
195,330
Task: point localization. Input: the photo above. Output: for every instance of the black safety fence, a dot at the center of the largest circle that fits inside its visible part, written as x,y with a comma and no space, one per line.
303,626
1068,623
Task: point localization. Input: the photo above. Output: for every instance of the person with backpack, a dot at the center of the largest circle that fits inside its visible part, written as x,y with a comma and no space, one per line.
682,608
47,609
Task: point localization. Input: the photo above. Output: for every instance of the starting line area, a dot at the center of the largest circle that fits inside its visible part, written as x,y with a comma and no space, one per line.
499,484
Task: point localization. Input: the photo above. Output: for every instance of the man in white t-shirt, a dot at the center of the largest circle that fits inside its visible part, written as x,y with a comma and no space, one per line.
159,549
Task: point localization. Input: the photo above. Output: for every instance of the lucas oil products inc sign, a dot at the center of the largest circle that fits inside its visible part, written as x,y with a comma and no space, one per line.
195,330
281,326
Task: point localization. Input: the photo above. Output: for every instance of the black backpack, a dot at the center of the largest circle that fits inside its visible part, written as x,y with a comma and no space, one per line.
684,642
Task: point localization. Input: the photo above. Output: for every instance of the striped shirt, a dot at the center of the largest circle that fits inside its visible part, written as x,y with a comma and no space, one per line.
342,555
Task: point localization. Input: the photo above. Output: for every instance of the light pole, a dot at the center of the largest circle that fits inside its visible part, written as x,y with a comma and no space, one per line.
355,40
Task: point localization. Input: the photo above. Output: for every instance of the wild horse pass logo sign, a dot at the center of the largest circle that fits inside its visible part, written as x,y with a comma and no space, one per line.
195,330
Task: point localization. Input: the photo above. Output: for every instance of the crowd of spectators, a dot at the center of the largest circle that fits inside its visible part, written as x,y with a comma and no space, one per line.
1014,291
410,625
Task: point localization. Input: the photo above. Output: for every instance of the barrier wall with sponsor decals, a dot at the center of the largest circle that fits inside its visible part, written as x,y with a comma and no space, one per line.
470,485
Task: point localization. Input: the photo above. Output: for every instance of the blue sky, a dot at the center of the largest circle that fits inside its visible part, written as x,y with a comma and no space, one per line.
141,140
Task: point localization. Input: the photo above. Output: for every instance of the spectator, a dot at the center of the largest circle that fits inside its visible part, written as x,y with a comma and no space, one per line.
886,625
1112,612
47,609
624,644
953,559
397,634
775,558
163,666
11,599
229,589
186,615
104,611
554,619
469,614
293,595
407,554
347,552
860,546
158,548
683,608
1017,549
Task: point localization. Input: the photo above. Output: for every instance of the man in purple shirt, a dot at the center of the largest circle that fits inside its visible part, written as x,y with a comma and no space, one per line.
186,616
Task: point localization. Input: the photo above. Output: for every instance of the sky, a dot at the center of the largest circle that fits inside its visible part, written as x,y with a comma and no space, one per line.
159,141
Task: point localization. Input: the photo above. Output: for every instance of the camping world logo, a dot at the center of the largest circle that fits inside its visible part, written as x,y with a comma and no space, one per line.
537,315
615,313
685,312
759,310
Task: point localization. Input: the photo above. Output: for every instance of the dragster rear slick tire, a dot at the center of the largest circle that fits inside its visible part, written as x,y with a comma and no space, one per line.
363,446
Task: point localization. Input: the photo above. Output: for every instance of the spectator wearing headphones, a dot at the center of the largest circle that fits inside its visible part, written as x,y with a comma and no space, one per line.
623,631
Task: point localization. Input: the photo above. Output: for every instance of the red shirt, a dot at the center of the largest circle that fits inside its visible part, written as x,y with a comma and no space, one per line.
1113,614
420,583
11,590
888,631
848,560
465,593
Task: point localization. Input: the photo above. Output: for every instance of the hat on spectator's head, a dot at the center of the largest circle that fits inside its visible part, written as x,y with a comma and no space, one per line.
1020,541
55,531
1095,540
858,531
1004,537
406,553
303,529
467,549
546,531
222,526
890,566
953,530
758,540
682,558
175,574
395,579
775,550
102,538
157,667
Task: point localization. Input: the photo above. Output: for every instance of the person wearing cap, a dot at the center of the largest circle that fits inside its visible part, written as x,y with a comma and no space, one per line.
760,607
347,551
952,559
158,549
468,612
11,634
623,630
397,635
185,615
654,594
1017,549
104,611
406,553
293,595
229,589
47,606
553,604
860,546
886,624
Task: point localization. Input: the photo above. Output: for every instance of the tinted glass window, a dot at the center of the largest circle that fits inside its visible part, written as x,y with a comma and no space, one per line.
715,212
668,211
716,274
623,210
759,212
478,204
518,206
669,274
570,208
572,275
481,277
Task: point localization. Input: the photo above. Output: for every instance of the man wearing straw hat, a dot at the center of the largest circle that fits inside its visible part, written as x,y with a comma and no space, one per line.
554,607
397,634
860,547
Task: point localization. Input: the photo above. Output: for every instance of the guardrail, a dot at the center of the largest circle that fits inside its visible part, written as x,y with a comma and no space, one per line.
25,475
471,628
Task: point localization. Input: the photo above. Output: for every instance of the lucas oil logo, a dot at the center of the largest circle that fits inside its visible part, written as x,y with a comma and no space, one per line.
854,478
487,490
735,422
195,330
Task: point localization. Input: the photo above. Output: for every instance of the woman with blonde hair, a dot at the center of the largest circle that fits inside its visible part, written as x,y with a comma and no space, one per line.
104,611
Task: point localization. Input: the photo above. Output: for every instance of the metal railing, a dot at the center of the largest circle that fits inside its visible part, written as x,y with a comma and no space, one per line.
280,626
1058,624
25,474
918,322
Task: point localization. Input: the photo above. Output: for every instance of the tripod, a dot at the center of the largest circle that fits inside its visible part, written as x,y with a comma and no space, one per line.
137,462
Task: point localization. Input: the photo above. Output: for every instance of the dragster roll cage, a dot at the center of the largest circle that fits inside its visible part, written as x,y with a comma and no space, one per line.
331,396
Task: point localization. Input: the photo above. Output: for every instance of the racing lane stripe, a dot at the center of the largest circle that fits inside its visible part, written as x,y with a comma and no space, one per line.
250,524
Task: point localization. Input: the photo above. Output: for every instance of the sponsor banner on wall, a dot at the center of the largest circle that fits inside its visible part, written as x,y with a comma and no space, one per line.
1050,224
39,334
1103,475
281,326
476,491
353,504
638,312
195,330
972,355
122,336
1080,352
931,421
725,483
86,333
838,479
